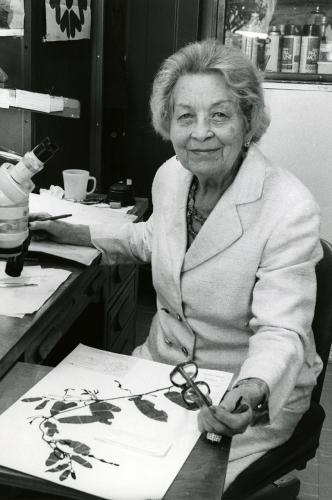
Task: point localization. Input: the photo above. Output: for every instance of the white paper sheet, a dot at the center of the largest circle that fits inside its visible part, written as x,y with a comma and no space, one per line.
12,18
66,22
57,103
81,214
83,255
33,100
4,98
70,421
17,301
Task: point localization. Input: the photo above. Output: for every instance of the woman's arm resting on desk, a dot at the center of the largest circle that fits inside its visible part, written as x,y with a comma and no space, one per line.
59,231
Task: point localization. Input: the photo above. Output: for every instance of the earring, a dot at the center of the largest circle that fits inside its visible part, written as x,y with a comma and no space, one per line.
247,144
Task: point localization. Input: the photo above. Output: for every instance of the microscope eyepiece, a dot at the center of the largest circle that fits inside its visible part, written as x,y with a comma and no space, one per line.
45,150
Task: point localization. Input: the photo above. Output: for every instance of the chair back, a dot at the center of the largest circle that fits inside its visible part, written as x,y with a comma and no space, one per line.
322,322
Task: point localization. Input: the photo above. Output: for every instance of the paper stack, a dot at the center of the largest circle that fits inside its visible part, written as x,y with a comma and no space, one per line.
81,214
31,290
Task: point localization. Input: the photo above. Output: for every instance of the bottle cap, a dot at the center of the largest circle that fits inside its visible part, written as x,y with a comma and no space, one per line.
311,30
274,30
292,29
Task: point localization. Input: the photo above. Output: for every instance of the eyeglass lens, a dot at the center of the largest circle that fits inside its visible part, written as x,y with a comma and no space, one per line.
191,397
178,375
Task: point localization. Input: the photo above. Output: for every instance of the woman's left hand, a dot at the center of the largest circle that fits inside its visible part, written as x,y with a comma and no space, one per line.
235,412
222,420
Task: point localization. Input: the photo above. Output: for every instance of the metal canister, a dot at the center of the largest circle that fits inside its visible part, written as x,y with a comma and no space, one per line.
310,43
272,50
291,47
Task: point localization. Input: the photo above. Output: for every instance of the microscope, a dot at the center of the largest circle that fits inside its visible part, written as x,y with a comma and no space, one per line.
15,187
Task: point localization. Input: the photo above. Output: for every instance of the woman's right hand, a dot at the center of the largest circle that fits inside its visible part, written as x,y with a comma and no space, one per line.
59,231
47,230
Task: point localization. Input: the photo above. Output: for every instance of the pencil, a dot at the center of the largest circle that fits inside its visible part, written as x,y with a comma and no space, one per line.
54,217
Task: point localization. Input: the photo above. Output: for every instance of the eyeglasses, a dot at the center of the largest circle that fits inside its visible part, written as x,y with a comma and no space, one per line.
194,394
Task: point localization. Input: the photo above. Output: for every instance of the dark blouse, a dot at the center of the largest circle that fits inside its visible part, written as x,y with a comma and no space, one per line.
195,220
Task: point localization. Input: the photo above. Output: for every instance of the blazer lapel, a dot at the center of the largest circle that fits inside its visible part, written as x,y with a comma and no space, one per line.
175,222
223,226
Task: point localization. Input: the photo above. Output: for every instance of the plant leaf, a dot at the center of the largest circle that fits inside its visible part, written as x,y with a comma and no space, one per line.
51,428
148,409
31,400
58,468
64,475
61,406
52,459
176,398
103,411
81,461
79,419
42,405
78,447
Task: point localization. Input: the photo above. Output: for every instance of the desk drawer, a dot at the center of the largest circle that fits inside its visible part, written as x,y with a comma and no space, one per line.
118,276
85,292
118,317
125,343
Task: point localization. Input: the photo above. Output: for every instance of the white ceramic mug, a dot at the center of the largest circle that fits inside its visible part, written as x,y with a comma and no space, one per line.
75,182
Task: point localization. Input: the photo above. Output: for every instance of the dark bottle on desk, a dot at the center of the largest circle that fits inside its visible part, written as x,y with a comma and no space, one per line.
122,192
291,47
310,43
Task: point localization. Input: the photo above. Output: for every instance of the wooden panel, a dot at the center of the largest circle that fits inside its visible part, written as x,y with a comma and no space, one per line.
155,29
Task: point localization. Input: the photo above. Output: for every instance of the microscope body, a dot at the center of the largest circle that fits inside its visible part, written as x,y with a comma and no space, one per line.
15,187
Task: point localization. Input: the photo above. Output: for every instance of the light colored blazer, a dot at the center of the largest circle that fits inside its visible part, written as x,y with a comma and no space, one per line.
242,297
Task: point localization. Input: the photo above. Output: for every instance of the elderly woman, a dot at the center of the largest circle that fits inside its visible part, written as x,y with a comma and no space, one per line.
233,242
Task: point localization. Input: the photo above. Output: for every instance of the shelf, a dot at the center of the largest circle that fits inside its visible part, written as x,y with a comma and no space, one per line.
298,77
37,102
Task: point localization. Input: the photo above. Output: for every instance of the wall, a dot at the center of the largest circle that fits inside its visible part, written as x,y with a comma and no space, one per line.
300,138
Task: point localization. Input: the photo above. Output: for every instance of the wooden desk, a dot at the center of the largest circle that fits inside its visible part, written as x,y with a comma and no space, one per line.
96,305
201,477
